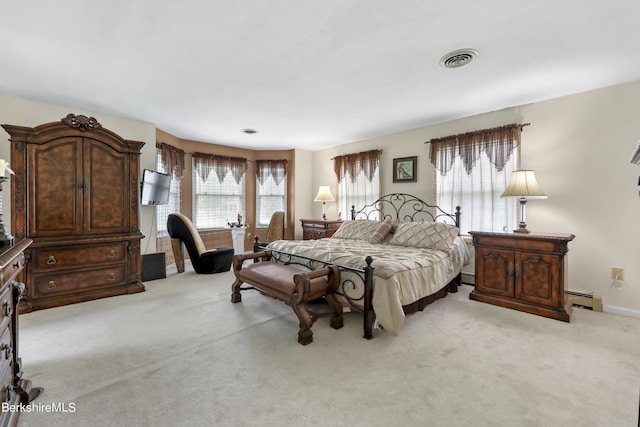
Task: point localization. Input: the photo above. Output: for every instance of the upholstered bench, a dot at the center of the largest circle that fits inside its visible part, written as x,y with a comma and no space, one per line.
292,285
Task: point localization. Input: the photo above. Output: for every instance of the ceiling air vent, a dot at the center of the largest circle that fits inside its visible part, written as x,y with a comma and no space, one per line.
458,58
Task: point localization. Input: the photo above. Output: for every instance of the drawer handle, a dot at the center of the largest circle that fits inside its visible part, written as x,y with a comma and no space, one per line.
51,260
111,277
52,284
7,351
6,308
111,254
16,265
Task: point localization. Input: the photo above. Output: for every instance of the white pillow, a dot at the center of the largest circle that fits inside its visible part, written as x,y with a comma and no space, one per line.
430,235
360,229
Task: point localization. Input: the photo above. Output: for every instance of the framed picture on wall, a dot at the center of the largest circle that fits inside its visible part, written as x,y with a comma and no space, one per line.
404,169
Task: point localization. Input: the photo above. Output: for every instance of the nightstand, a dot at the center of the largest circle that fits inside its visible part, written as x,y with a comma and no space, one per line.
313,229
525,272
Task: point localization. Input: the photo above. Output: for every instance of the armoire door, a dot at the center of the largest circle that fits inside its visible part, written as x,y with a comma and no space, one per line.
55,188
107,193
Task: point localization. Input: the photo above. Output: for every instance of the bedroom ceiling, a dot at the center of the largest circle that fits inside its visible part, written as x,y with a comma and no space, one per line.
305,74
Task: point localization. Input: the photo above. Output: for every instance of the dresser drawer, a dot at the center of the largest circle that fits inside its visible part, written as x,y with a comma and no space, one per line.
313,229
74,281
6,365
6,306
517,243
12,269
49,259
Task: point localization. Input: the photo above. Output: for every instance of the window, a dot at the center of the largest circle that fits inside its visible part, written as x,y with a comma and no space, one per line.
271,189
218,190
472,171
358,180
169,160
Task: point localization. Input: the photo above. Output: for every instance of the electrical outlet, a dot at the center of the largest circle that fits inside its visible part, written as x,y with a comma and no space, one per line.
617,273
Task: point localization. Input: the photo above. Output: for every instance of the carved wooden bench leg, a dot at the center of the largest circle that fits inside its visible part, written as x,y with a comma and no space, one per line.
235,291
305,336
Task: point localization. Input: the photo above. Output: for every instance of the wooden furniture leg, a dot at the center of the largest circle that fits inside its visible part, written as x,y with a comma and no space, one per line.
178,254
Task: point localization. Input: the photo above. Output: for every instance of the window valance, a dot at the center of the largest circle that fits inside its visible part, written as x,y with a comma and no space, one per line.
498,144
173,159
352,164
275,168
205,163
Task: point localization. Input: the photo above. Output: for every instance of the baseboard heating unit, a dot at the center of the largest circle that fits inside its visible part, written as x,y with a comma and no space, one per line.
585,299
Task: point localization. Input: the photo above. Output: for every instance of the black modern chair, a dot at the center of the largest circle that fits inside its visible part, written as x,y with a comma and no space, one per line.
183,232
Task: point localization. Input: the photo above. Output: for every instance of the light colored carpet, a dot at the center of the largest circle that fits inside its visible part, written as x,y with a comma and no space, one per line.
182,354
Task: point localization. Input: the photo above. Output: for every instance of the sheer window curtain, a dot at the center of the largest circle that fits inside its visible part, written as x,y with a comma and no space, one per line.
358,180
218,197
478,195
170,160
271,189
472,171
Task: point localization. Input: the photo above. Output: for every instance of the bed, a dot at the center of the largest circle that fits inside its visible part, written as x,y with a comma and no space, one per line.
396,256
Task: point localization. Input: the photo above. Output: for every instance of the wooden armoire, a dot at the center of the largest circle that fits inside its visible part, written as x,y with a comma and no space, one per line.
76,195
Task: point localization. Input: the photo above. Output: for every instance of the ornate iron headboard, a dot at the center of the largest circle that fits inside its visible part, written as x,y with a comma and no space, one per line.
405,208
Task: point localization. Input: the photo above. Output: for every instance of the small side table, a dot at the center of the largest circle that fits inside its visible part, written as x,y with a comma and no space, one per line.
525,272
238,235
313,229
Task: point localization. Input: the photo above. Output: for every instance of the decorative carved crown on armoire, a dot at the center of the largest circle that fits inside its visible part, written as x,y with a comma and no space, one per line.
75,194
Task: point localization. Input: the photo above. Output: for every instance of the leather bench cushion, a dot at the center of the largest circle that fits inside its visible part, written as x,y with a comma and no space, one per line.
271,277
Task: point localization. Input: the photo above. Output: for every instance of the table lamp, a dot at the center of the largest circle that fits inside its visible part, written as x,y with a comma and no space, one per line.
523,185
324,195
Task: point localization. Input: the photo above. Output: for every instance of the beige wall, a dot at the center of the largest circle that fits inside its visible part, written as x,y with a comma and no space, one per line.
304,190
580,147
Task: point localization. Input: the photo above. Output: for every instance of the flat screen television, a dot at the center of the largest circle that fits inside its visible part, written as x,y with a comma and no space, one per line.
154,189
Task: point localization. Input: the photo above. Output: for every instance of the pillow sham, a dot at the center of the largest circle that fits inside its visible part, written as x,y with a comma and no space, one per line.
382,231
429,235
359,229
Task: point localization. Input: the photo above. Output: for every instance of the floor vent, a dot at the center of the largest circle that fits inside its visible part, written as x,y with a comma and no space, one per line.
587,300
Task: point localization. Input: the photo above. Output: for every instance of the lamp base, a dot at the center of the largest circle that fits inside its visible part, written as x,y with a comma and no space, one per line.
522,228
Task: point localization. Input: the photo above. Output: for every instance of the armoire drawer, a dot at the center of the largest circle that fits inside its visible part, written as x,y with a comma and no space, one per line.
46,284
58,258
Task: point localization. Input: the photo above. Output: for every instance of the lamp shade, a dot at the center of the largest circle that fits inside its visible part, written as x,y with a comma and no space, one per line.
523,184
324,194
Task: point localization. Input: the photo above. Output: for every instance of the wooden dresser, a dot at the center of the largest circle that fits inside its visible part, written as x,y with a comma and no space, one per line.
76,195
313,229
525,272
14,389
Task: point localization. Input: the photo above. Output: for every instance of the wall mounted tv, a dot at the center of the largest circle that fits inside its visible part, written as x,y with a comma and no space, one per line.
154,189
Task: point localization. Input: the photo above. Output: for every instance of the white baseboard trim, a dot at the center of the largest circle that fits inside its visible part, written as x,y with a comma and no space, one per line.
620,310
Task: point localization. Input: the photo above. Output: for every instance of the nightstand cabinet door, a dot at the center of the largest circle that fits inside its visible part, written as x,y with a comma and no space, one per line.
494,271
537,278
